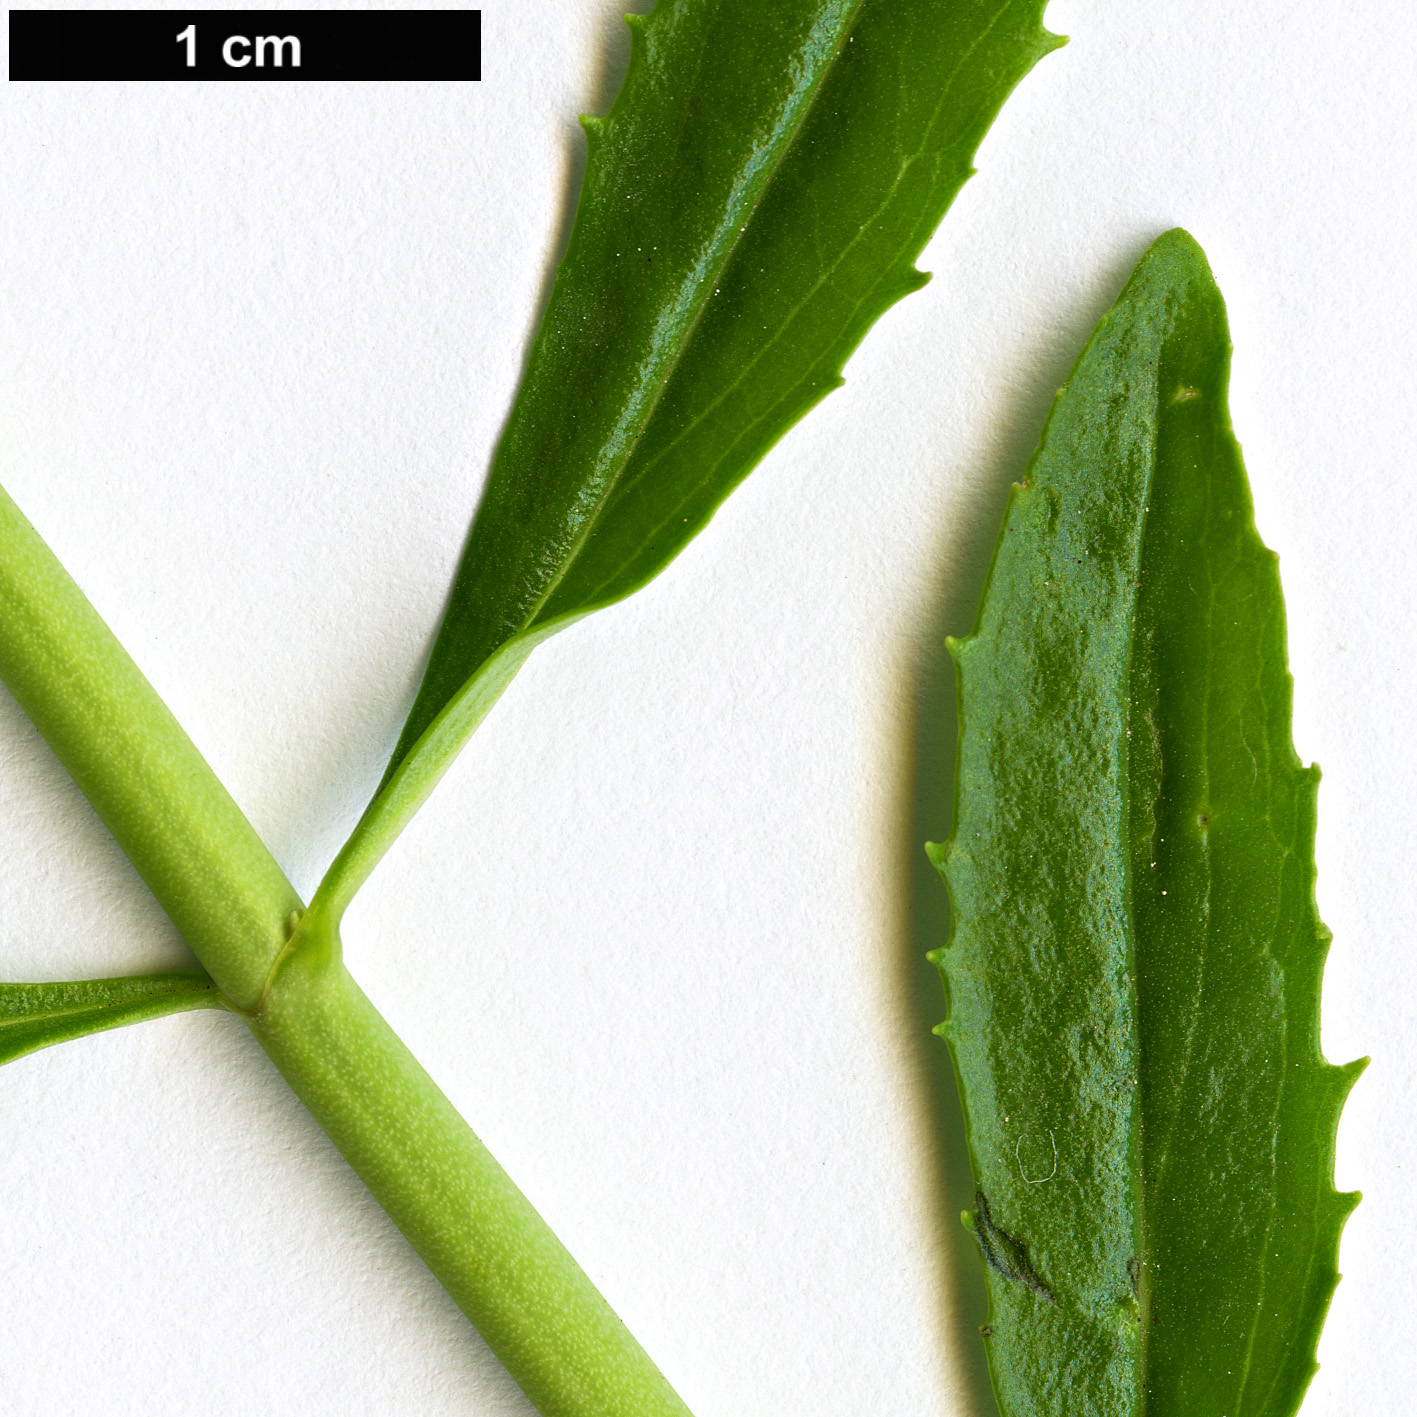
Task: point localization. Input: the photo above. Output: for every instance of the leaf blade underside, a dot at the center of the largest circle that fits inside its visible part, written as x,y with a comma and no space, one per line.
1135,964
34,1016
754,201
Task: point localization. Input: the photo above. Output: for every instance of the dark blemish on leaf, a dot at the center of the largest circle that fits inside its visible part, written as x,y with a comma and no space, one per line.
1055,505
1003,1252
1134,1274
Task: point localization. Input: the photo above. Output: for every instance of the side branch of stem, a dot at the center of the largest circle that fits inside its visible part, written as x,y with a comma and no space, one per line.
279,967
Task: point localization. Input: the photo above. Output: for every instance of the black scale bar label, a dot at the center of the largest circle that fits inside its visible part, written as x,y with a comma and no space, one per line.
245,46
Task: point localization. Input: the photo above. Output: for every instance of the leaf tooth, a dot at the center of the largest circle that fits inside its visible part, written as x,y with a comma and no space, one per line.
961,649
1342,1076
642,28
915,279
595,130
1341,1205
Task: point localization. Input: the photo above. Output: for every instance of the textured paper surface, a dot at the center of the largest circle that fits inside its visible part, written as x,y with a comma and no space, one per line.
659,933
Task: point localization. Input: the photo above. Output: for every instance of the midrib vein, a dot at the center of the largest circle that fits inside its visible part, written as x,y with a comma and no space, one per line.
656,389
785,323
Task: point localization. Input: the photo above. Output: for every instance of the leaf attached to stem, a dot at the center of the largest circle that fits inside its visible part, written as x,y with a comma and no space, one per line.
753,203
32,1016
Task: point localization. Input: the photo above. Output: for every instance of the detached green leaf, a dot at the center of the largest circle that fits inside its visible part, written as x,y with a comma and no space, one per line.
754,201
32,1016
1135,967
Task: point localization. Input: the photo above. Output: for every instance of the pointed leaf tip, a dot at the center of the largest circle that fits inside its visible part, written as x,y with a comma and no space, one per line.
1125,983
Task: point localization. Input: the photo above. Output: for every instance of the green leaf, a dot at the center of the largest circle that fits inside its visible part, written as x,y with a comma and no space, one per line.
32,1016
1135,965
752,204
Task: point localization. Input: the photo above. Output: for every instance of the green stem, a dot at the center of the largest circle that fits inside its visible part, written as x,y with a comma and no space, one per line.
279,967
475,1230
165,807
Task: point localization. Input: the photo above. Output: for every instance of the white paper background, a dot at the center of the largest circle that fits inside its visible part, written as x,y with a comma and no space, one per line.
659,933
